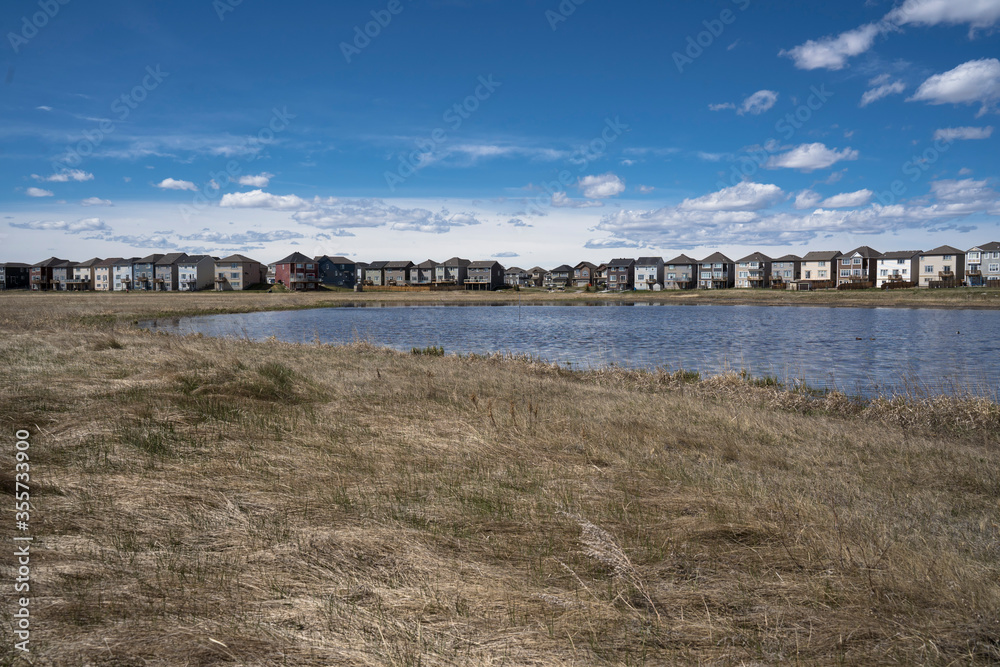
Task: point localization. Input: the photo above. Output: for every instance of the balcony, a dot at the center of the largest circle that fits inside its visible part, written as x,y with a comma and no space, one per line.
973,272
946,274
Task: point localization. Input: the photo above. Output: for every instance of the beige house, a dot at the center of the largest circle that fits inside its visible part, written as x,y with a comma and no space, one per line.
104,279
942,267
236,273
81,276
819,269
681,272
754,270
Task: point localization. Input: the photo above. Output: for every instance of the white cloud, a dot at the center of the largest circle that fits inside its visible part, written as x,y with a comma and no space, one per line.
848,199
745,196
833,52
39,192
809,157
974,81
84,225
807,199
66,176
171,184
721,107
518,222
881,88
420,220
258,181
242,238
96,201
976,13
610,244
758,103
955,133
261,199
645,189
505,254
43,108
601,187
560,200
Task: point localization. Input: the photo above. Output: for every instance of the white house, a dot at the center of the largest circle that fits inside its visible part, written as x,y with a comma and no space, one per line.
900,266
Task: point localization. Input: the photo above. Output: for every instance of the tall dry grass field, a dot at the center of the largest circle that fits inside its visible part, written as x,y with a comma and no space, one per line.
202,502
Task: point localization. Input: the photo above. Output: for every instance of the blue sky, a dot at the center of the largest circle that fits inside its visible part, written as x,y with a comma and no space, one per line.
534,131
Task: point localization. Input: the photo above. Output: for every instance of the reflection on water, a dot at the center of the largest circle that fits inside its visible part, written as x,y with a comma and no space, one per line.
852,349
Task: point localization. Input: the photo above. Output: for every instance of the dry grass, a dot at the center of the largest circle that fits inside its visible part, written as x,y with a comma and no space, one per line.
229,502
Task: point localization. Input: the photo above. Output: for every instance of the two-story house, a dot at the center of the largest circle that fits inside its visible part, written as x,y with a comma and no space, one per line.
785,270
561,276
81,279
375,273
238,272
897,268
753,271
681,272
15,275
40,274
819,269
166,271
484,275
983,265
398,273
123,273
537,274
103,275
195,272
649,273
584,274
297,272
423,273
942,267
144,272
452,272
515,276
621,274
858,266
336,271
62,273
716,272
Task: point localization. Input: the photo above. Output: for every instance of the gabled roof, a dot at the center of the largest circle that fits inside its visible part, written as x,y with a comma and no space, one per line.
399,265
485,264
361,265
621,263
755,257
107,263
15,265
537,269
295,258
514,269
945,250
683,259
238,258
864,251
376,266
336,259
586,265
648,261
171,258
194,259
992,246
788,258
821,256
456,261
901,254
90,263
716,258
151,259
50,262
565,268
429,264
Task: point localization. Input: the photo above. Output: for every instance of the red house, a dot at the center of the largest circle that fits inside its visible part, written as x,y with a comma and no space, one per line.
297,272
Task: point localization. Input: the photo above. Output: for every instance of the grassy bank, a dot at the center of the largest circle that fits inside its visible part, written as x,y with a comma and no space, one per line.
201,501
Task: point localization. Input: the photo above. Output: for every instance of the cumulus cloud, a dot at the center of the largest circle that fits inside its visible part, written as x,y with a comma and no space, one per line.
561,200
518,222
974,81
964,133
745,196
610,244
96,201
601,187
975,13
807,199
758,103
172,184
39,192
881,87
833,52
261,199
66,176
420,220
242,238
810,157
84,225
258,181
848,199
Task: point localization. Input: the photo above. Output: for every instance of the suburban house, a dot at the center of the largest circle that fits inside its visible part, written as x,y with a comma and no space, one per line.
337,271
942,267
561,276
41,273
103,274
537,276
681,273
398,273
601,275
753,271
515,275
236,273
584,274
423,273
621,274
14,275
716,272
122,273
296,272
166,269
144,272
983,265
195,272
649,273
486,275
454,271
818,269
785,270
62,272
897,267
375,273
858,266
82,276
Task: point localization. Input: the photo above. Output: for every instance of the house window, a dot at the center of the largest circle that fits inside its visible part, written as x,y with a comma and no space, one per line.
994,268
234,265
946,269
929,268
947,258
857,272
234,275
845,273
973,256
821,274
822,263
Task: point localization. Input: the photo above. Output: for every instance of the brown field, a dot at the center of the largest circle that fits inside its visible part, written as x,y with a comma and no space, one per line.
202,502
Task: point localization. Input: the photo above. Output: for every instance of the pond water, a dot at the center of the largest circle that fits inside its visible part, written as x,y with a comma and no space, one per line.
857,350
